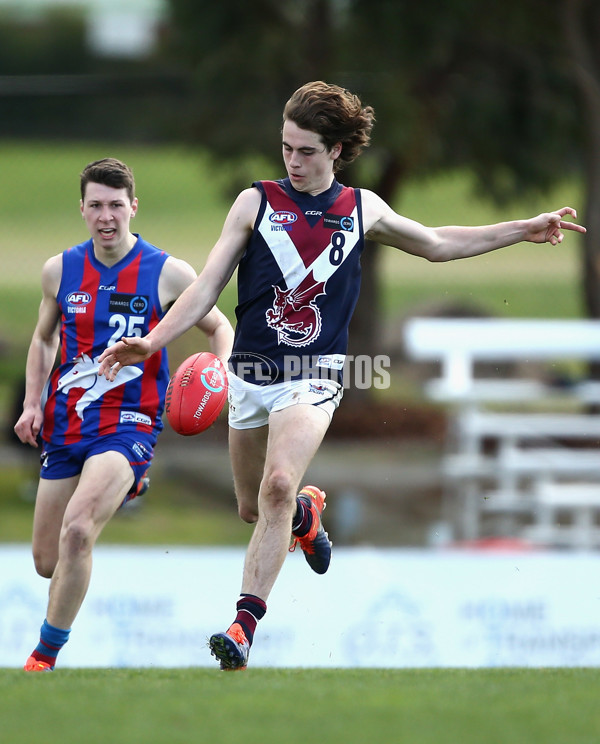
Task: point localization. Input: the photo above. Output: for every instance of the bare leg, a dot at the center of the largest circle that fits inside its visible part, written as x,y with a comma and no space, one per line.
294,437
267,471
104,482
50,504
247,451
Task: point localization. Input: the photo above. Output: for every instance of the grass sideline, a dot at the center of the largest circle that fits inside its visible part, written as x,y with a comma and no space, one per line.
268,706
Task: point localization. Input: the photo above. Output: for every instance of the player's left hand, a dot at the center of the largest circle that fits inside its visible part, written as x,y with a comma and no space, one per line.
548,227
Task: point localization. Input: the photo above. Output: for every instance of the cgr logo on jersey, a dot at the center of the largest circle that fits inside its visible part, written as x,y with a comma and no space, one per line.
282,220
128,303
134,417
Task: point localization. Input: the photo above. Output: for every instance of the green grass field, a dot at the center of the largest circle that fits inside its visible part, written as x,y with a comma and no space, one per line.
269,706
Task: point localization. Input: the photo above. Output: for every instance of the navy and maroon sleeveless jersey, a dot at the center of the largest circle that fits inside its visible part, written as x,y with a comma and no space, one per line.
298,283
99,305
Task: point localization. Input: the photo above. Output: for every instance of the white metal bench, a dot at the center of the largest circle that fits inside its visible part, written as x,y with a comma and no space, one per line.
581,501
500,461
459,343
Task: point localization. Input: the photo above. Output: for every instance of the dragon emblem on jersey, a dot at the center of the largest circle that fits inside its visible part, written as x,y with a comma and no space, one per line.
84,374
295,315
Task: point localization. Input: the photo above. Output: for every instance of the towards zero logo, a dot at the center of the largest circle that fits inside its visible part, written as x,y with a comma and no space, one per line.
212,379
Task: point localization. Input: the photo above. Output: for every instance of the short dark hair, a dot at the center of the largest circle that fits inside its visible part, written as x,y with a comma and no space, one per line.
334,113
109,172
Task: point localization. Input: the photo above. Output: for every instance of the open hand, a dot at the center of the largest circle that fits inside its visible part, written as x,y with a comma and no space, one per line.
125,352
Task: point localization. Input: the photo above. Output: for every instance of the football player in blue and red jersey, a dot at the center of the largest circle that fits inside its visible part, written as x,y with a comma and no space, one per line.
296,243
97,436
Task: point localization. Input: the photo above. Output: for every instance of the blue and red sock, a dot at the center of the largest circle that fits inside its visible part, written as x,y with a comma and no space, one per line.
52,639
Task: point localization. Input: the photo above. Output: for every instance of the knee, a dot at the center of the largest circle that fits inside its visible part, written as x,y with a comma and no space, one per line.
44,564
247,504
279,490
247,513
277,493
76,538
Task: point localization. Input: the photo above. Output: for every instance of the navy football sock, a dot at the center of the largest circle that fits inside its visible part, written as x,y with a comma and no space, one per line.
302,522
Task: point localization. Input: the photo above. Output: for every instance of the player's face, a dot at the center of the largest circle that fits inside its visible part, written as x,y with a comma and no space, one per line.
308,162
107,212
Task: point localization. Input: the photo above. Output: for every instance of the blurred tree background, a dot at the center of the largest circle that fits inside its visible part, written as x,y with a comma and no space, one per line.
507,93
461,84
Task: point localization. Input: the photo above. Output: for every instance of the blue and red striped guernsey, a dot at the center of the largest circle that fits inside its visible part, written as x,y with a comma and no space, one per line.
100,305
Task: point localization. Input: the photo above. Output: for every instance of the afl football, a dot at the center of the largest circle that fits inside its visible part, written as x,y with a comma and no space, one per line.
196,394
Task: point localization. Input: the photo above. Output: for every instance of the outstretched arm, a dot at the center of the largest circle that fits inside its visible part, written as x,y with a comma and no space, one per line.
385,226
176,276
219,332
196,302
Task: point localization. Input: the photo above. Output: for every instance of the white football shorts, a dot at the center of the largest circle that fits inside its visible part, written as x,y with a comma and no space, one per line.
250,404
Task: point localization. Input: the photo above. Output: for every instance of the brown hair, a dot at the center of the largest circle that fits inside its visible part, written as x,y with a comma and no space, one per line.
109,172
335,114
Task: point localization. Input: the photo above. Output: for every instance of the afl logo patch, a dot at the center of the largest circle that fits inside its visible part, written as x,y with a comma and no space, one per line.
283,217
79,298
